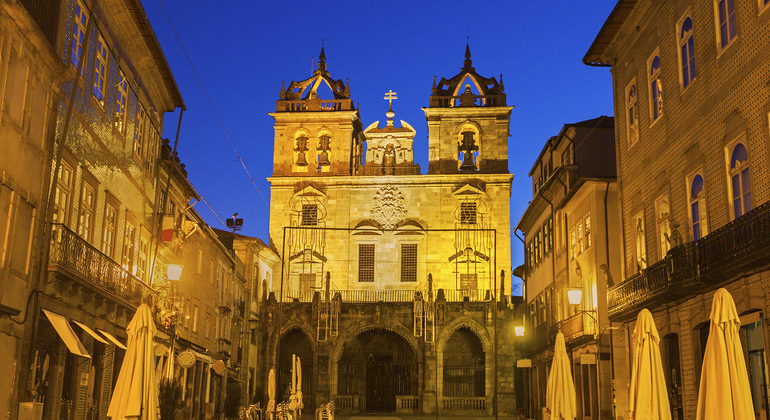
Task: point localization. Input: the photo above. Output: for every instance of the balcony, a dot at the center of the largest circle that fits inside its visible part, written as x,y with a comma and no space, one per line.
736,248
315,104
388,296
78,259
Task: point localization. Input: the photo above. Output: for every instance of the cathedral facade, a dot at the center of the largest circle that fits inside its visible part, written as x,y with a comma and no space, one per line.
393,289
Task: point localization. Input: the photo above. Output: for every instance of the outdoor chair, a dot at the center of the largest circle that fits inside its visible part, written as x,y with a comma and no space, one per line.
325,411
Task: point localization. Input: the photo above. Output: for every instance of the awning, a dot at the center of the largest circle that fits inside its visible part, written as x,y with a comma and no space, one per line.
67,334
112,338
202,357
90,332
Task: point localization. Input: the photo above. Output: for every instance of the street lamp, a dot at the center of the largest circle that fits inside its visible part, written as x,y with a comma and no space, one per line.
174,271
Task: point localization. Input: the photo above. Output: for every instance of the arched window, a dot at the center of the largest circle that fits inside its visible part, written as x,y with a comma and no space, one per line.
656,87
697,207
686,51
740,180
632,122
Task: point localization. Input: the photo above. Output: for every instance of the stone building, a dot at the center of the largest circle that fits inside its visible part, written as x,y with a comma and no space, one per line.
385,268
568,230
690,87
31,74
259,265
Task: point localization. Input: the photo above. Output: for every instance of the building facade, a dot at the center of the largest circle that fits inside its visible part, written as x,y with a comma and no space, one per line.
691,94
568,230
383,268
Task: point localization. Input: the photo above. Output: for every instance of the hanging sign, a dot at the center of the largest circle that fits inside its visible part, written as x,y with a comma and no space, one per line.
185,359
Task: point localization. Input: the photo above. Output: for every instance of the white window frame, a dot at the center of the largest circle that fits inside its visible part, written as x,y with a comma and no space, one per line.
632,113
764,5
640,239
101,61
687,42
121,102
721,46
655,85
662,216
80,23
141,122
738,171
702,201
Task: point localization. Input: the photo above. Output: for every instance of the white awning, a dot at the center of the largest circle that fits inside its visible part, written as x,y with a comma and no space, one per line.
112,338
202,357
66,333
90,332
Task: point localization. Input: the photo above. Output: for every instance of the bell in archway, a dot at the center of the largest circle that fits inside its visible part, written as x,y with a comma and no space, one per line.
468,163
301,161
323,159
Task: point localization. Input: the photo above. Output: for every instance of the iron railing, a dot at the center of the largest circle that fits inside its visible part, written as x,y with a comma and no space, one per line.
71,251
741,237
315,105
696,261
386,296
638,287
437,101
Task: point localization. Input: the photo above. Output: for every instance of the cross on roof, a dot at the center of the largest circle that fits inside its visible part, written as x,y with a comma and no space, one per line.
390,96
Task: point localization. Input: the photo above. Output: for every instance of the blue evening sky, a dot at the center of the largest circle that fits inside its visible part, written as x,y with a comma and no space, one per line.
243,50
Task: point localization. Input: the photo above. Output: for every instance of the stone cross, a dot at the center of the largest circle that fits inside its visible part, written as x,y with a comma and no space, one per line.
390,96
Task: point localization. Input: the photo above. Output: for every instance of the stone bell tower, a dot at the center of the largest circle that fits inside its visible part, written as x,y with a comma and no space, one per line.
316,136
468,122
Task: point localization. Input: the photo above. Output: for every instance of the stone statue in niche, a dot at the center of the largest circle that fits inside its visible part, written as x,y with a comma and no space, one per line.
389,160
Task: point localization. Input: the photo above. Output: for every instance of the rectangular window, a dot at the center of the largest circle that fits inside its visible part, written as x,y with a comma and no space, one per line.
306,281
587,223
78,34
566,155
129,246
141,118
121,102
141,266
195,319
662,213
547,236
207,325
573,243
640,241
408,262
468,213
309,215
686,50
100,70
366,262
580,238
468,281
152,149
728,28
86,216
536,247
110,226
63,193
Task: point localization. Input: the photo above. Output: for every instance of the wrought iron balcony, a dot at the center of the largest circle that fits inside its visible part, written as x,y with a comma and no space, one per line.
81,259
735,245
722,255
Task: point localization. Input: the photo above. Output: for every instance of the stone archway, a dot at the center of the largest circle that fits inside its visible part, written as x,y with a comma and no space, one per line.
296,342
375,368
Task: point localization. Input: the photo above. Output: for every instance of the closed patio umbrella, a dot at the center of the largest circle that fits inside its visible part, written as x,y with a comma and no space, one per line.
560,389
724,383
648,396
136,390
300,405
270,392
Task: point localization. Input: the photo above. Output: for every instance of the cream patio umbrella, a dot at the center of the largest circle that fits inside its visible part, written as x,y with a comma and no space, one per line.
560,390
136,390
270,409
300,405
724,383
648,395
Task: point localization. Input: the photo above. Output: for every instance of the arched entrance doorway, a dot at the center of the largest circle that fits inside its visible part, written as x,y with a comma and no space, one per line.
464,365
376,367
295,342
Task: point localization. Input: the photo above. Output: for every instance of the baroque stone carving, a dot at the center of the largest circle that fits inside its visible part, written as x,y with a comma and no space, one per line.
388,209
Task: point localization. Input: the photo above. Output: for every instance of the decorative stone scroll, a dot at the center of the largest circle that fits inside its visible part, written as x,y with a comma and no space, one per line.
388,209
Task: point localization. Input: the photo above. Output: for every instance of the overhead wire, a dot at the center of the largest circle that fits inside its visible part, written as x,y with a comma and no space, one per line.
211,103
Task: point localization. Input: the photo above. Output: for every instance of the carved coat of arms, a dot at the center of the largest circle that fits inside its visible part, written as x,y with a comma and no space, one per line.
388,209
